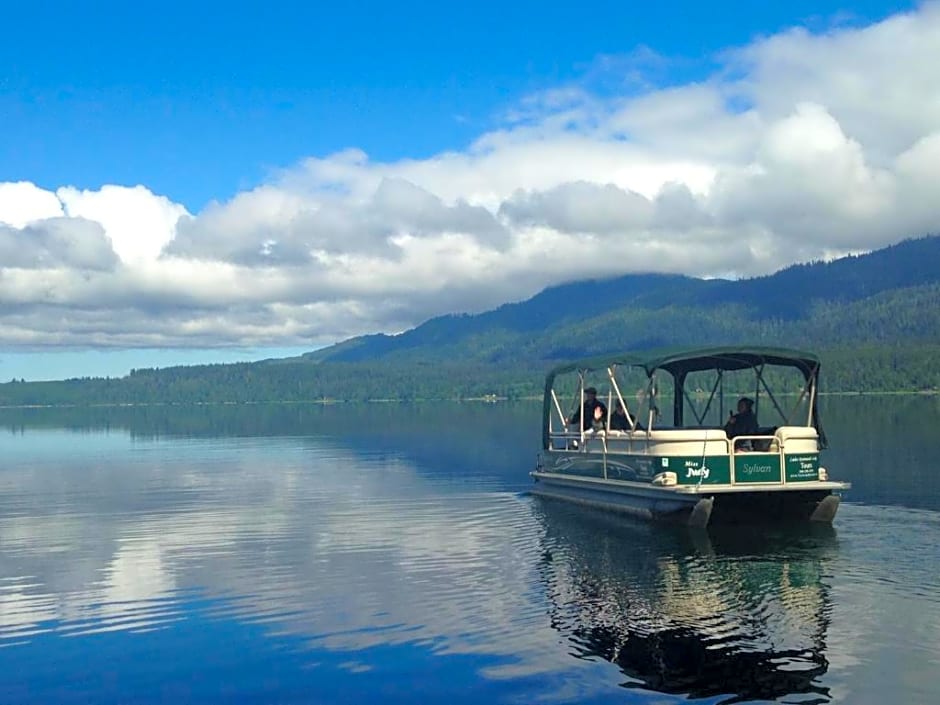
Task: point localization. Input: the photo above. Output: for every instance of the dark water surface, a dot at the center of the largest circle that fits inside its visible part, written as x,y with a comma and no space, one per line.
390,553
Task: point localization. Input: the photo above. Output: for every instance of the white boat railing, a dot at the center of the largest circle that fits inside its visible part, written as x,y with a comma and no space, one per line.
664,442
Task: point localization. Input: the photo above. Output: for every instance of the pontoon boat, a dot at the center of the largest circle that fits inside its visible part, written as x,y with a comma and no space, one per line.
699,468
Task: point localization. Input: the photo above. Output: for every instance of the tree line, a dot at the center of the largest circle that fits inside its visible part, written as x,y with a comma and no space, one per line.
870,368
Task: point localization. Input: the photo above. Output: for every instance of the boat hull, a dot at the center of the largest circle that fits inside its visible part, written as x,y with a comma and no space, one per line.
646,502
697,507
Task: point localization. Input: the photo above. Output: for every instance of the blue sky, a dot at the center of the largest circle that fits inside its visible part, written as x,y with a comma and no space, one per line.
202,102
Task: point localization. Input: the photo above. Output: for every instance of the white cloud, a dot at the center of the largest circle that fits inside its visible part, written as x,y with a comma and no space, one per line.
879,82
138,223
580,207
809,184
800,145
56,242
22,203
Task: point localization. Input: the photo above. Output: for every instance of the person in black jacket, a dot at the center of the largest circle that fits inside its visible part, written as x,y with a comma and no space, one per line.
743,423
593,410
621,420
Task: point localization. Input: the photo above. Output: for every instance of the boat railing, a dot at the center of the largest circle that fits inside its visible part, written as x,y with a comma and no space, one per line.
771,441
588,440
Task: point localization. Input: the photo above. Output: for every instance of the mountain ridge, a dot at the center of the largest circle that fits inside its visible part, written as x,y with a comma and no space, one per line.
791,296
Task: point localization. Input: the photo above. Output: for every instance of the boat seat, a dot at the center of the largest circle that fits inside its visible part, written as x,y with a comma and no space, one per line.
785,433
798,439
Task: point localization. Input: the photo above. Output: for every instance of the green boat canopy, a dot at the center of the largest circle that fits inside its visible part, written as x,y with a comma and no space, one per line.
681,362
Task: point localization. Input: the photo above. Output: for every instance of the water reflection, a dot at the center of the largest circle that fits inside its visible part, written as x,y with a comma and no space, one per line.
445,438
887,447
699,614
341,554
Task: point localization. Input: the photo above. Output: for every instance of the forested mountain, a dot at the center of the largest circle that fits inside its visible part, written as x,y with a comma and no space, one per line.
887,296
874,319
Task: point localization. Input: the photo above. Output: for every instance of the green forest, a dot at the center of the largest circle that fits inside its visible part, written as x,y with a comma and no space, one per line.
844,370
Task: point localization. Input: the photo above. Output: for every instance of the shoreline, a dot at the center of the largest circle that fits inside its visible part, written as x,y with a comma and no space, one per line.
487,399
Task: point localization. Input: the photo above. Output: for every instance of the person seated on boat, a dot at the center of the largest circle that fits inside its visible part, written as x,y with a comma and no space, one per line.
621,419
743,423
594,411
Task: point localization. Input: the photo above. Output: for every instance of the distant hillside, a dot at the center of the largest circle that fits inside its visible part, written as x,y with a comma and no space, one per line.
551,307
888,296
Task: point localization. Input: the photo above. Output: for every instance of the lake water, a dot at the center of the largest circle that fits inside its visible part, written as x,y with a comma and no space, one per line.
390,553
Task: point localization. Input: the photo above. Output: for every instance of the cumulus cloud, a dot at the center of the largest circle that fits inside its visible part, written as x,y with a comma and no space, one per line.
138,223
56,242
22,202
580,207
800,145
810,184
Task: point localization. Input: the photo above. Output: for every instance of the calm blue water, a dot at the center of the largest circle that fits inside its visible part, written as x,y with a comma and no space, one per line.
389,553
